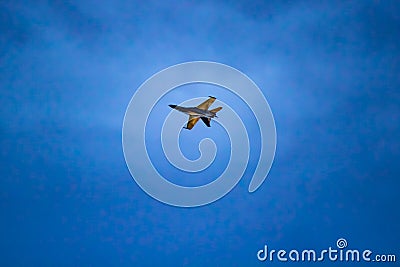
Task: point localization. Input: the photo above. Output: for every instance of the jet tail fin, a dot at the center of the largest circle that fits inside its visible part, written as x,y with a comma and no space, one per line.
206,121
215,110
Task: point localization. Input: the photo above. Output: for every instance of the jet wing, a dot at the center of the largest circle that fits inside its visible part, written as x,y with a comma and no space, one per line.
206,104
192,122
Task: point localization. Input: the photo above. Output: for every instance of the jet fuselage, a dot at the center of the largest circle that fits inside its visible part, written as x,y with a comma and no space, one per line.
194,111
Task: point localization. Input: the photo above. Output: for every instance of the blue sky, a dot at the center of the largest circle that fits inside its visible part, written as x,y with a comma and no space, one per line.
329,70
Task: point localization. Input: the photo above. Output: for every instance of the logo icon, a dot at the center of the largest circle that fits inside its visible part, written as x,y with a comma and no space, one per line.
152,90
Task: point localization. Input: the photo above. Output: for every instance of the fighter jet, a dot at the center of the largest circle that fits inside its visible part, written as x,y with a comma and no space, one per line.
199,112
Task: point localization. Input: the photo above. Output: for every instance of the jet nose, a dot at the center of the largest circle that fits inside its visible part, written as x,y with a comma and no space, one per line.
172,106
